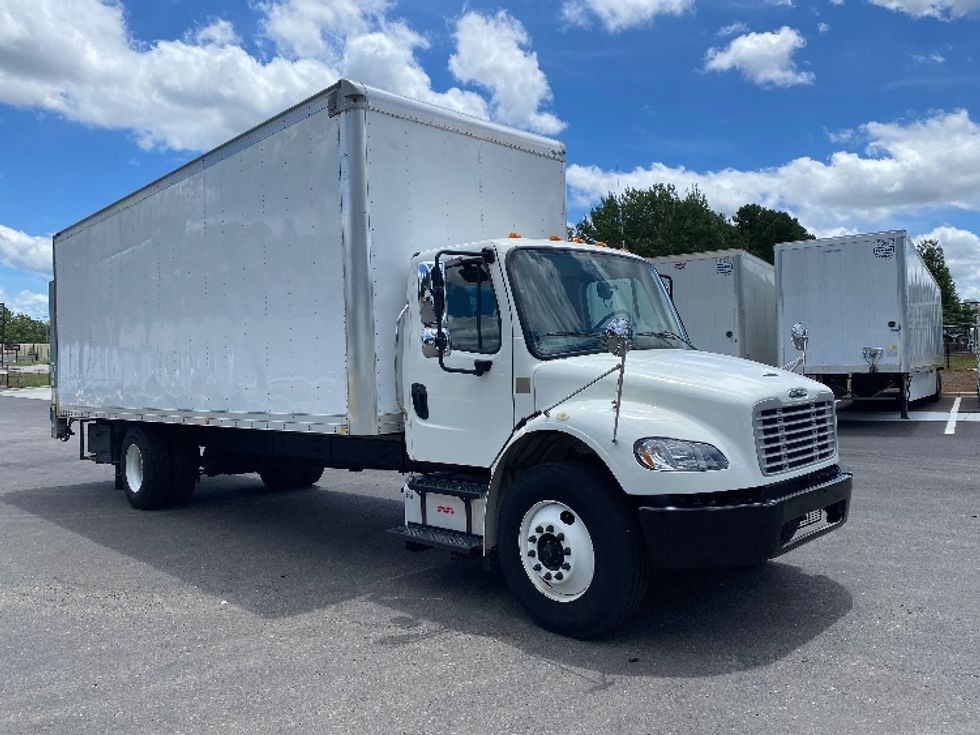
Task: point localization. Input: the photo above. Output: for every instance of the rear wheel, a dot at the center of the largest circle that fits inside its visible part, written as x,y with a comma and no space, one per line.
146,468
570,549
286,475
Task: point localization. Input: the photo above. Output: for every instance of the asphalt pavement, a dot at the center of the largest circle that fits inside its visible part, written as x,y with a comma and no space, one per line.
254,612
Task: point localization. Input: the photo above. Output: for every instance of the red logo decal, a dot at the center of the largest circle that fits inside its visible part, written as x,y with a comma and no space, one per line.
448,509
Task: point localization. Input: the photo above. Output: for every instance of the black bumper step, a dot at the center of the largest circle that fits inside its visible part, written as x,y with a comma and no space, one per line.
439,538
462,486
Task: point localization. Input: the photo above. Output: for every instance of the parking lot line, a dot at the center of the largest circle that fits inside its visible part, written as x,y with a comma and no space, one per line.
951,424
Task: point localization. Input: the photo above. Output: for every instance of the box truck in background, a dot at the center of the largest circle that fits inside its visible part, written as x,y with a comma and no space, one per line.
727,301
872,311
336,288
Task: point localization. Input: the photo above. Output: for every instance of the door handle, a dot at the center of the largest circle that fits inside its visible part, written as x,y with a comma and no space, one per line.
420,401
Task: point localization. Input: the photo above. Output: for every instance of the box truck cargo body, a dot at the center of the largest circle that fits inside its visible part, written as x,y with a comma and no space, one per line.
727,301
370,282
872,310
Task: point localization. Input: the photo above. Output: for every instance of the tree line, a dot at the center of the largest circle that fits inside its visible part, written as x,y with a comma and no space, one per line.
660,221
21,328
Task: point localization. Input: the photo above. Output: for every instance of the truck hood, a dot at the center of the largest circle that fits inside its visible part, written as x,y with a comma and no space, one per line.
661,377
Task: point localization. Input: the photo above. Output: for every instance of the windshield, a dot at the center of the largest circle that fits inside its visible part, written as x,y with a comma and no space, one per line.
565,298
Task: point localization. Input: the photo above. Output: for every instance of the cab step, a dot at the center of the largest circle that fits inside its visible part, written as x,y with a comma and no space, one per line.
439,538
468,487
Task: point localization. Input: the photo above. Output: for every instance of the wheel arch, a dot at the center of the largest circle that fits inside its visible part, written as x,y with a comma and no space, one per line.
529,450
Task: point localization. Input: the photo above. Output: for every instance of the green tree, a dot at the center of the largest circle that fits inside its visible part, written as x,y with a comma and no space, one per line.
953,311
761,228
658,221
22,328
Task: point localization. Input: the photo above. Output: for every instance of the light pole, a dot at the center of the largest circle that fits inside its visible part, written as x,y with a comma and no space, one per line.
3,331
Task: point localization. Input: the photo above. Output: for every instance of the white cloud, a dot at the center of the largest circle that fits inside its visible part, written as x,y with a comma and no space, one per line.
823,27
931,8
763,58
618,15
961,249
314,28
905,168
935,58
732,29
25,252
492,53
387,58
78,59
26,302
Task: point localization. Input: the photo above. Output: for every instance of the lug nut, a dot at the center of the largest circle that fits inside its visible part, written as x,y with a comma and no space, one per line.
539,529
531,553
566,551
550,529
532,540
566,566
547,575
560,537
559,576
536,567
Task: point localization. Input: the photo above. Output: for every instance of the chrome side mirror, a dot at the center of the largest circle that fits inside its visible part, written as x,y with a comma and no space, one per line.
430,345
618,336
799,336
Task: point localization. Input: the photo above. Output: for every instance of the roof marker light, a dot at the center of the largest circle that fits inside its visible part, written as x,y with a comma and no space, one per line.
514,235
553,237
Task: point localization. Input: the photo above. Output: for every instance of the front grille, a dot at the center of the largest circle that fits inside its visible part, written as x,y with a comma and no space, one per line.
788,437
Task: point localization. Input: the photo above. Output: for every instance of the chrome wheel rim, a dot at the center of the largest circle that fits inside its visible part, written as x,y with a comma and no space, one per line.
556,551
134,468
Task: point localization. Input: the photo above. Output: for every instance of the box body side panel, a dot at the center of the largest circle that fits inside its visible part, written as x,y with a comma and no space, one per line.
923,323
219,293
431,187
758,298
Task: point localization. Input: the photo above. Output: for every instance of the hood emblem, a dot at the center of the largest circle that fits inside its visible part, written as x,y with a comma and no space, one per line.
798,393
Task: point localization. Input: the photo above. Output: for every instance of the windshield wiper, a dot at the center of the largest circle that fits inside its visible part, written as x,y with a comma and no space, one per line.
666,335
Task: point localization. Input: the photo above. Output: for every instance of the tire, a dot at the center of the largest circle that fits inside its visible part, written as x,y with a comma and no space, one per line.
146,469
287,475
186,463
596,587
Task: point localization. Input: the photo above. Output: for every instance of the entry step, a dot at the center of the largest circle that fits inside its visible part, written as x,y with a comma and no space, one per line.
440,538
462,486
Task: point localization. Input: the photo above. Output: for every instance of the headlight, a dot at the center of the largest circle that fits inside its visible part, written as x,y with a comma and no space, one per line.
671,455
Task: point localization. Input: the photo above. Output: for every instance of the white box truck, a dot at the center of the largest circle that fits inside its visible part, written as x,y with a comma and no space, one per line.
337,288
727,301
872,312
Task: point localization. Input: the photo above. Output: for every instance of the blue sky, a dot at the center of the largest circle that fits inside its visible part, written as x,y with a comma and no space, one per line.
854,115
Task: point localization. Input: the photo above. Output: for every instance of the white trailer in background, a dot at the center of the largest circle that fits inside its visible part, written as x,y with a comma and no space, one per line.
872,311
727,301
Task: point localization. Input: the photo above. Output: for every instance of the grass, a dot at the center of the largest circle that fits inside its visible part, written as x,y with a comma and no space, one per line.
25,380
962,361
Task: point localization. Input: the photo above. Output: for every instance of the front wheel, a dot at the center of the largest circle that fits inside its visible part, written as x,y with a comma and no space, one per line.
570,549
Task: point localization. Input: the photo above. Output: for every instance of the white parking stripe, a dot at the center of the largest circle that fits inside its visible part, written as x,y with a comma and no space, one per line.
951,424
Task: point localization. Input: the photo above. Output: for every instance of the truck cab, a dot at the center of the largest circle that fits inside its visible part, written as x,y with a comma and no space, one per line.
593,443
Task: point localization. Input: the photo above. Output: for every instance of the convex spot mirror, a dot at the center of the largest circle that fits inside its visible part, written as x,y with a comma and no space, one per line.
618,336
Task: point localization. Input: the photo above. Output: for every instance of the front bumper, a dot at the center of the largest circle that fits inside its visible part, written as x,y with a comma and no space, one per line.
744,526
